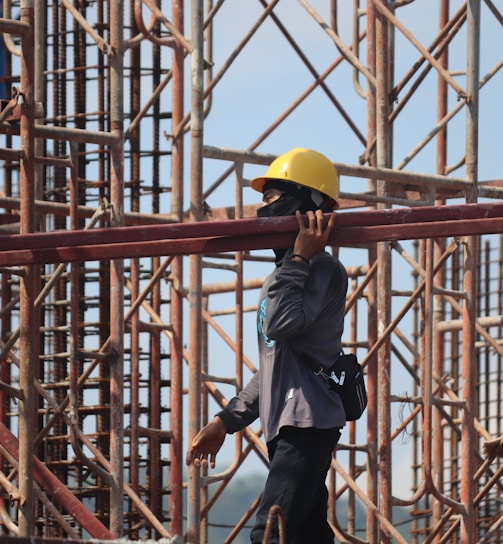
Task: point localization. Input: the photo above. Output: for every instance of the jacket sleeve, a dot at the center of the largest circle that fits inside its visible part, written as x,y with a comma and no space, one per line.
243,409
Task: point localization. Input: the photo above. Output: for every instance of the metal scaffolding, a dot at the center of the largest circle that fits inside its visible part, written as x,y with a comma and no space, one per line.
130,256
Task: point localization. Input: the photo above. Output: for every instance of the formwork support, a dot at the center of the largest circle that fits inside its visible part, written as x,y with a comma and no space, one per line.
29,316
177,384
116,345
195,262
470,310
117,272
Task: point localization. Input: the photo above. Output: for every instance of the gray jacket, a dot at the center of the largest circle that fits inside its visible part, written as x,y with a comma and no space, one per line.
300,317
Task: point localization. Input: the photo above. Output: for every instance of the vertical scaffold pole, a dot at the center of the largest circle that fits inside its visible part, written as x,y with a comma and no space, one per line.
195,288
470,280
117,272
29,333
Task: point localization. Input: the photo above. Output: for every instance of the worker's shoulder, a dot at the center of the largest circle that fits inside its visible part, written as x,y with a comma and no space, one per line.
325,263
327,259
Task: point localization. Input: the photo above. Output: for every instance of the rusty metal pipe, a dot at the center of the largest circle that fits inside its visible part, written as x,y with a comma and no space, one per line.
63,496
435,220
264,238
195,273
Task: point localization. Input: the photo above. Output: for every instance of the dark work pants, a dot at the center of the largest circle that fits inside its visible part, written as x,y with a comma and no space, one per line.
300,459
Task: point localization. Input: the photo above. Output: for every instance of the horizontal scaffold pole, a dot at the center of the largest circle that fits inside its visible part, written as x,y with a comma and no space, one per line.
352,228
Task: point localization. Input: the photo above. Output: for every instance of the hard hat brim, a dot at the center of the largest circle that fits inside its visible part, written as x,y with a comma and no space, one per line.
258,183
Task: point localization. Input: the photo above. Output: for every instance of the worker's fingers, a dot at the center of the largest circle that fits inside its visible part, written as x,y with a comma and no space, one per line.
191,456
200,458
320,221
315,221
213,458
330,224
300,221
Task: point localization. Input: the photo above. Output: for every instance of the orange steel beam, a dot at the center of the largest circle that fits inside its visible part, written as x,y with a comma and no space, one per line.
248,234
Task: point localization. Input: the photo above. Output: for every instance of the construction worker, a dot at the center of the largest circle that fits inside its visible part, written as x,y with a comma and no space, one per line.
300,316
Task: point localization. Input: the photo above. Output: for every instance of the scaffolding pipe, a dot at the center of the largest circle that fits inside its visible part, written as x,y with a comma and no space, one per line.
470,281
212,237
448,220
438,338
456,342
61,494
384,71
373,390
117,272
29,323
195,273
177,296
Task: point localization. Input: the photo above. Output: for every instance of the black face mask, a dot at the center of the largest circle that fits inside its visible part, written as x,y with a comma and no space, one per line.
292,199
287,204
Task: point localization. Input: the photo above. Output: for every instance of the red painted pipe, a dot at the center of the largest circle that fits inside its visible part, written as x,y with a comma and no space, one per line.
214,236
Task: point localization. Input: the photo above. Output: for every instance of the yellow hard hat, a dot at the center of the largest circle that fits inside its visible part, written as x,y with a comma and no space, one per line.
304,167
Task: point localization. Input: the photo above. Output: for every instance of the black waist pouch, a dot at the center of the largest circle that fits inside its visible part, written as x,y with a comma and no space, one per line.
346,378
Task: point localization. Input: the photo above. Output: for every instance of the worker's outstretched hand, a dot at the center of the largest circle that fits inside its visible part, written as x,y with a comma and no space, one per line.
207,443
313,237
